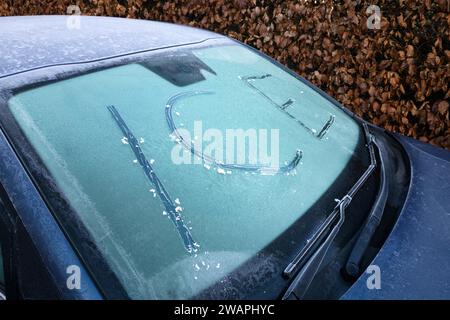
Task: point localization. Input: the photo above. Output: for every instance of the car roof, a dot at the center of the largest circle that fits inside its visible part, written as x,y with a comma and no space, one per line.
34,42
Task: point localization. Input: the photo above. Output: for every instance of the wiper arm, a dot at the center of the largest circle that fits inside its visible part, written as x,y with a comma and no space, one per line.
352,266
311,266
303,280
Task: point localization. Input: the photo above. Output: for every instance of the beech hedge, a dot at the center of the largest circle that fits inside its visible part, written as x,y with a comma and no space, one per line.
396,76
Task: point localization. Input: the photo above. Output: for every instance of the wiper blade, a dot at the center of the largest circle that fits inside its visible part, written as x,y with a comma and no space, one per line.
303,280
311,261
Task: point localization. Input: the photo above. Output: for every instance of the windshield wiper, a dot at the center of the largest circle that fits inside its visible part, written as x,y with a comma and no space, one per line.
352,266
309,259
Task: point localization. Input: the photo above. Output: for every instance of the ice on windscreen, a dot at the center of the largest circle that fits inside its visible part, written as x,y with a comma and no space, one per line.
233,216
188,277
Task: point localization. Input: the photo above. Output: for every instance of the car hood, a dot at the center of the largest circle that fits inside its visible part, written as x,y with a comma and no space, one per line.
415,259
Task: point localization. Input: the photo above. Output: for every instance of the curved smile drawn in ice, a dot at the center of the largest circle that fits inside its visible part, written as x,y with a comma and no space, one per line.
208,160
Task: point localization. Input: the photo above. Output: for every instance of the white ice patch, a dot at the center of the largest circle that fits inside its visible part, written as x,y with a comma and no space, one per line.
268,171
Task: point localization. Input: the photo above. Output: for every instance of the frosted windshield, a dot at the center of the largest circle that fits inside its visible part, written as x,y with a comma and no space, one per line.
222,215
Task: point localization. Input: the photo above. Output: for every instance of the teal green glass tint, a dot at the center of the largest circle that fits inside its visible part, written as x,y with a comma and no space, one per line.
232,216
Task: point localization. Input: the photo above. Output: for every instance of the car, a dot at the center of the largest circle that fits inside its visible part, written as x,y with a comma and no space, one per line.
146,160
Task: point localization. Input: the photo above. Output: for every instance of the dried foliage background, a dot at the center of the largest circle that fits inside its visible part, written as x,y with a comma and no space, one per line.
396,77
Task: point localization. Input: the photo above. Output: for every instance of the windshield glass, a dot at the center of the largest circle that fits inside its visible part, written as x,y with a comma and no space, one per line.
185,166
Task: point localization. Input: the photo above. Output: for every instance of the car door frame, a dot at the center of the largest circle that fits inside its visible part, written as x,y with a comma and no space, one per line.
38,253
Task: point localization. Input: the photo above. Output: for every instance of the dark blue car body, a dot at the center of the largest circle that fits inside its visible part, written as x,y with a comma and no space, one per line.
414,259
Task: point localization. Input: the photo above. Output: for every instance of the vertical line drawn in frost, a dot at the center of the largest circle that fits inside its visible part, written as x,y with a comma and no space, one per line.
261,169
74,20
172,207
284,107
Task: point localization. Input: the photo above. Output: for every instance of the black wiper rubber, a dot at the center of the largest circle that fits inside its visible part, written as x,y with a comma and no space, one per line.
323,131
311,261
303,280
207,159
170,206
352,266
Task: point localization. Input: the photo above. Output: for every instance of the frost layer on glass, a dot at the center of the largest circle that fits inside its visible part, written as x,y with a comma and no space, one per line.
231,215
